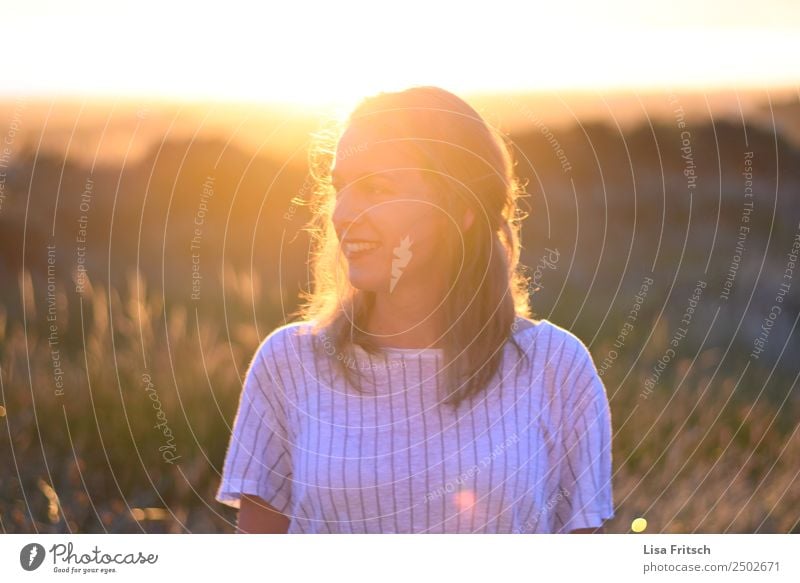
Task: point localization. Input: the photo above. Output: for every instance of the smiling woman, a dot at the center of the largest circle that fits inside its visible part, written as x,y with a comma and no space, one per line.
415,393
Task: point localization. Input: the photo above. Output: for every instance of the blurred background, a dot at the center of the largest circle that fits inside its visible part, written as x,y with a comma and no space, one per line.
150,155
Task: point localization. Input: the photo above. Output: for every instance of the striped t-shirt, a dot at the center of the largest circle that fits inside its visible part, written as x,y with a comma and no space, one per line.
531,453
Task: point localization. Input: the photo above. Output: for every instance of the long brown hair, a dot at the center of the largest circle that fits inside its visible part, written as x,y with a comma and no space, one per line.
473,167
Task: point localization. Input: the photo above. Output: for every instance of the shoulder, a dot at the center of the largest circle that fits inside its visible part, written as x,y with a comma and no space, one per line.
559,349
284,346
571,381
555,339
576,375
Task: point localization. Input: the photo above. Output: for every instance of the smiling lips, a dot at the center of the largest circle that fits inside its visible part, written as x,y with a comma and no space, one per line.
357,248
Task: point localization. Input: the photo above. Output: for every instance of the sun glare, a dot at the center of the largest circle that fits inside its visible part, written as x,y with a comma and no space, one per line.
331,54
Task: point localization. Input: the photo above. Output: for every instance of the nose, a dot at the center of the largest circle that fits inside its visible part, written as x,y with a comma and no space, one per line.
347,210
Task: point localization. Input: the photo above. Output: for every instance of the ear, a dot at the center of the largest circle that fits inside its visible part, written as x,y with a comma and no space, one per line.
469,218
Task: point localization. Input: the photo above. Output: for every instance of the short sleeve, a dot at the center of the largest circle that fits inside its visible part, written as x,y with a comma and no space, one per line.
585,497
258,458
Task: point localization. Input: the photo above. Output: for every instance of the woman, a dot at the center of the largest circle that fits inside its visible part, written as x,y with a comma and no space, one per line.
415,393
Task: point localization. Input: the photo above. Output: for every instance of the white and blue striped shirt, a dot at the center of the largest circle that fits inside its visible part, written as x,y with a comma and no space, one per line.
529,454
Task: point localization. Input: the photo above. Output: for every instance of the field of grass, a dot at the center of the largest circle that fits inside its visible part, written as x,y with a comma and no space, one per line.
84,447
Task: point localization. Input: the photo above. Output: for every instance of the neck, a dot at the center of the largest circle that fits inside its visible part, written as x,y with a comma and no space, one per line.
402,320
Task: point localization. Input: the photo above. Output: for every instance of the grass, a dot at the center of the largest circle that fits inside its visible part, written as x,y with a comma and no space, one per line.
700,454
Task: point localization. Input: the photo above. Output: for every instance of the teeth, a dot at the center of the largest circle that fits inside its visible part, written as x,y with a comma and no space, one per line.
356,247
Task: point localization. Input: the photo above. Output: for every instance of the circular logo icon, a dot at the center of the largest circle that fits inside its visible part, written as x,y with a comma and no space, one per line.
31,556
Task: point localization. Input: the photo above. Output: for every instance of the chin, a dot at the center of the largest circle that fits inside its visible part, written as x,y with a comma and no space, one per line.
367,284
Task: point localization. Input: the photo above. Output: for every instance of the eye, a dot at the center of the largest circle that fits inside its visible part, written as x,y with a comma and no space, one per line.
366,188
377,187
378,190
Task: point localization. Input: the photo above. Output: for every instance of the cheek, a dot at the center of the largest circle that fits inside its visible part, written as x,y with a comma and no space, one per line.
425,236
421,223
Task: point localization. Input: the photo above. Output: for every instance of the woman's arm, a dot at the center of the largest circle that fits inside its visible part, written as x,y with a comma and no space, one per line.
258,517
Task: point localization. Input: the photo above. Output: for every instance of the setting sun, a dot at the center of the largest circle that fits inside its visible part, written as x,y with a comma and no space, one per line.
331,54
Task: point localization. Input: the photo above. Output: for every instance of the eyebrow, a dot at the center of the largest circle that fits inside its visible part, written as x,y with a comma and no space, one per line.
336,178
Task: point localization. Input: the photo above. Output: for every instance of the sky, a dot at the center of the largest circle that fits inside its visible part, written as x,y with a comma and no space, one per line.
331,52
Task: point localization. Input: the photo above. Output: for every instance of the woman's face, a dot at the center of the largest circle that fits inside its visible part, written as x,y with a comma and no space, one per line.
386,215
